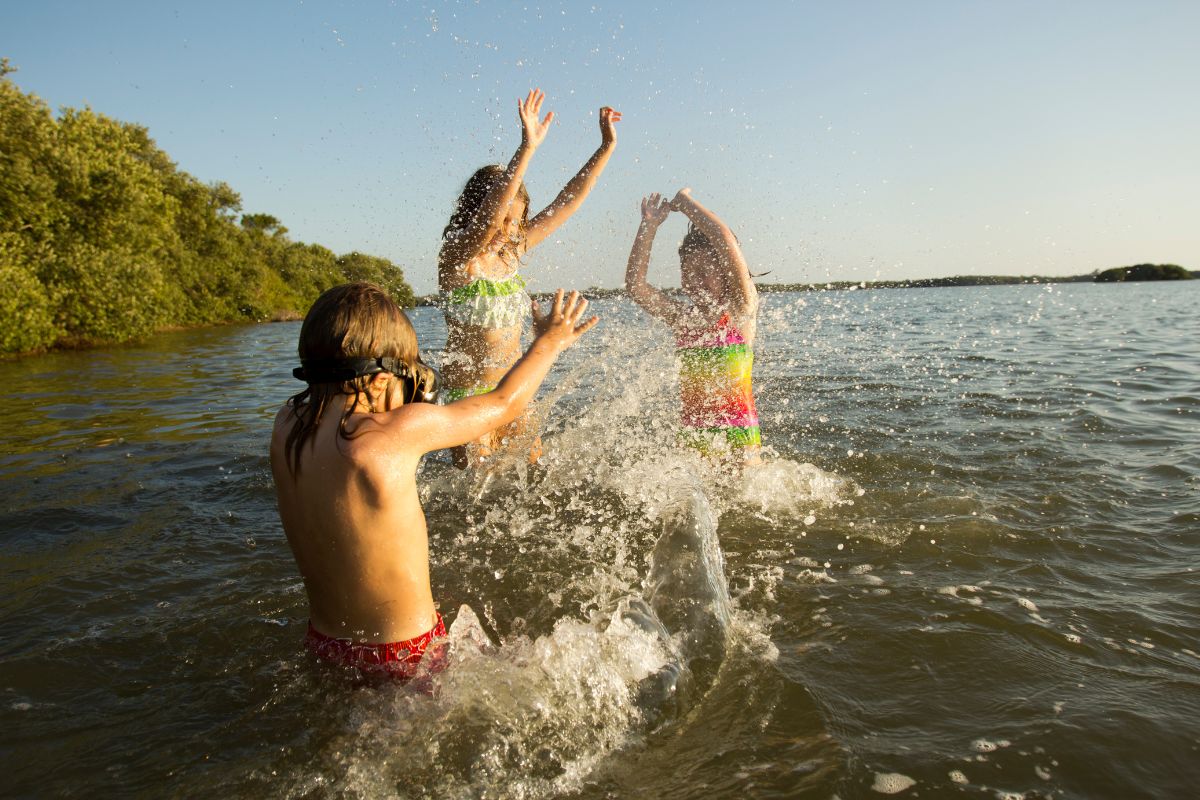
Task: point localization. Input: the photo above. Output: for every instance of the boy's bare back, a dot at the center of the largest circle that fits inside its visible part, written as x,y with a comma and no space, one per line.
354,522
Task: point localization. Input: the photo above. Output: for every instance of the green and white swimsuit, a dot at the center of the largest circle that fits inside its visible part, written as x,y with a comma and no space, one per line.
486,303
489,304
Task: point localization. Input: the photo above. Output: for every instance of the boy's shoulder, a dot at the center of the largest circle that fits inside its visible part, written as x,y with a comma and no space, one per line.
285,417
398,425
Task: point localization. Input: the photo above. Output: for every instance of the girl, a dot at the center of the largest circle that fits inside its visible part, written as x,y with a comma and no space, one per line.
714,332
344,455
482,295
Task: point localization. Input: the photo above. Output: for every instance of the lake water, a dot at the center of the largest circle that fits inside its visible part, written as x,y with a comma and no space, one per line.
968,568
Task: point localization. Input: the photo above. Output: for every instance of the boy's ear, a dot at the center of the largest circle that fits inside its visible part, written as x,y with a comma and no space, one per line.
379,381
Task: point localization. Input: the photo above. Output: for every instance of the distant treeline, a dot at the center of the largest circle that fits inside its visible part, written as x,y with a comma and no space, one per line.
103,239
1139,272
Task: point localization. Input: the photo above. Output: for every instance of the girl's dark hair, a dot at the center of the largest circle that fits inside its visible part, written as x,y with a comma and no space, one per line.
473,194
354,320
693,240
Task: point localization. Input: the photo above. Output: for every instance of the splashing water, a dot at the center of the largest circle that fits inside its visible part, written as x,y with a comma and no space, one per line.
606,611
606,614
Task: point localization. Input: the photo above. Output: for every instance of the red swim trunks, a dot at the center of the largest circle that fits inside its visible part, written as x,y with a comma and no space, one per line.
392,659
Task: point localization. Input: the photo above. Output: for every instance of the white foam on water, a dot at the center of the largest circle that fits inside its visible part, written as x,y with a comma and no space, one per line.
529,719
780,486
892,783
958,776
953,591
813,576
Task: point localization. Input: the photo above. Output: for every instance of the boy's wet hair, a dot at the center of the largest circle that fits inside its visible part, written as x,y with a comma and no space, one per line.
354,320
472,197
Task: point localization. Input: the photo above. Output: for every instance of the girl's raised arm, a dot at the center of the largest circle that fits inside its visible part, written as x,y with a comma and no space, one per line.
462,247
577,189
654,211
726,244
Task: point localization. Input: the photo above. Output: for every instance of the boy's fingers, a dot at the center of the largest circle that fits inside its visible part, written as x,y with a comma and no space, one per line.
586,326
558,300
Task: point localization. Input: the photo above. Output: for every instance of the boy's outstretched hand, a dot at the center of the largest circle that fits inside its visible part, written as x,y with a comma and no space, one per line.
561,326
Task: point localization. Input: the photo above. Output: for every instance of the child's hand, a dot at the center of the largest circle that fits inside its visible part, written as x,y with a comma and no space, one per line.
533,132
681,199
655,209
609,117
561,327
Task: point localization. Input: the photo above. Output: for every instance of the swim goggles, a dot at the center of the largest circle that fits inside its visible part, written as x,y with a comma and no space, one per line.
421,383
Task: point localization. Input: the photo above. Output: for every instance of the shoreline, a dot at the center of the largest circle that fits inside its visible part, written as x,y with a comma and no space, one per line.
599,292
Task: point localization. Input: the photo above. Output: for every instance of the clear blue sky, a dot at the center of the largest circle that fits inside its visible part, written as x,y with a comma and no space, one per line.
846,141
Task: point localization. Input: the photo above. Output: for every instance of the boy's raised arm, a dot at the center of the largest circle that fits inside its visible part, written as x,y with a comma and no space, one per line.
440,427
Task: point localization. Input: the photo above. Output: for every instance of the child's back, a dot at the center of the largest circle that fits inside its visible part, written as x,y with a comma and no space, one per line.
344,455
355,525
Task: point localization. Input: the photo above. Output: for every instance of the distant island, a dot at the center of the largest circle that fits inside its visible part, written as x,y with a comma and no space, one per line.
1146,272
1138,272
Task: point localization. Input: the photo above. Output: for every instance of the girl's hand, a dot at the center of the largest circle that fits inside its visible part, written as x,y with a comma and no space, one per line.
533,132
609,117
655,209
561,327
681,199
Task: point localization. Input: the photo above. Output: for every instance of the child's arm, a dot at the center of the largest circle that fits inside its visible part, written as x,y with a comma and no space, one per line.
654,210
722,238
490,216
431,428
577,189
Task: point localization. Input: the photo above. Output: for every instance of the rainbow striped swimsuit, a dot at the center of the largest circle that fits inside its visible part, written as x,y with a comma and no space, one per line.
715,387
